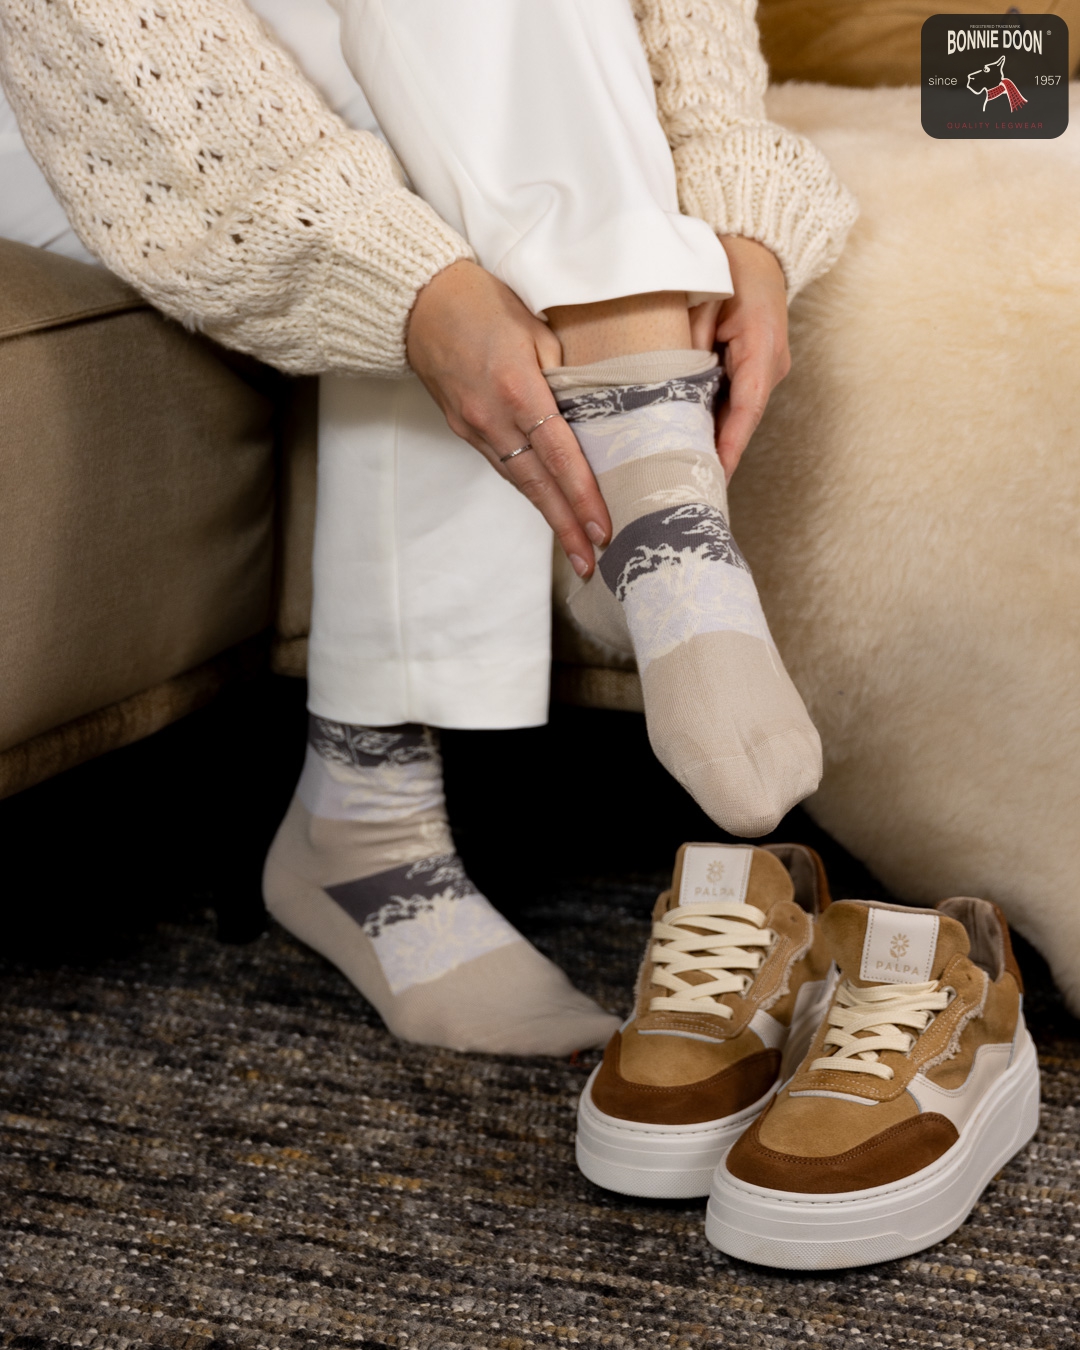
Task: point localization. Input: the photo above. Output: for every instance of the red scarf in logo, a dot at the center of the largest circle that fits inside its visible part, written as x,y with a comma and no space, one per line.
1016,98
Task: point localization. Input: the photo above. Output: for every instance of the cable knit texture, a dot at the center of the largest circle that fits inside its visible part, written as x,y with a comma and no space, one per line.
196,161
736,170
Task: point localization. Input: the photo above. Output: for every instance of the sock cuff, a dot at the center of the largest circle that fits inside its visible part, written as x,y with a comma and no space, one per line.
638,368
363,748
592,404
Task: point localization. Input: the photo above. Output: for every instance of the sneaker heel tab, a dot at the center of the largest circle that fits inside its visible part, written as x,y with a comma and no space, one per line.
822,896
807,874
1009,962
988,933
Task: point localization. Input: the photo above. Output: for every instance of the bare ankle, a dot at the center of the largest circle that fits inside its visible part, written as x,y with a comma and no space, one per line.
624,326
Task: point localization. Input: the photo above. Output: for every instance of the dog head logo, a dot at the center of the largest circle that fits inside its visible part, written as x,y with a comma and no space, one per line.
898,946
714,873
991,82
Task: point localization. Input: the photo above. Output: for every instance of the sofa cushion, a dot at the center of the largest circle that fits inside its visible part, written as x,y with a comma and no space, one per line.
137,515
45,290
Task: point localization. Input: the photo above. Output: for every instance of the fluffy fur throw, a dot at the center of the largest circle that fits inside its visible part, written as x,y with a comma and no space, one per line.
911,509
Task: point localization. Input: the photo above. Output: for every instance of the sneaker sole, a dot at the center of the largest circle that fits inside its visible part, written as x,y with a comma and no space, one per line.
655,1162
677,1162
859,1228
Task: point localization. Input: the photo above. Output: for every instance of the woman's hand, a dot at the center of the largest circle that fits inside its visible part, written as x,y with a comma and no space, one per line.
752,325
481,355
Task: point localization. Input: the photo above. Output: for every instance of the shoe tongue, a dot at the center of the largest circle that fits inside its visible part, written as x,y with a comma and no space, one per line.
739,874
891,944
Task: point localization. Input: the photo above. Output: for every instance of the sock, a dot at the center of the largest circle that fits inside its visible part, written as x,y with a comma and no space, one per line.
363,869
672,587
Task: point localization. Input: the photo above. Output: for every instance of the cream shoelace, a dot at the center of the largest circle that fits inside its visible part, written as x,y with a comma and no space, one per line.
732,940
863,1022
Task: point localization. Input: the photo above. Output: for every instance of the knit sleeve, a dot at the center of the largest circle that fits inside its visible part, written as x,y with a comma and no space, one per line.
196,162
736,170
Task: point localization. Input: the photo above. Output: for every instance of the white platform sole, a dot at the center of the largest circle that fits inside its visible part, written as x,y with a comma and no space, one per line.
677,1162
656,1162
857,1228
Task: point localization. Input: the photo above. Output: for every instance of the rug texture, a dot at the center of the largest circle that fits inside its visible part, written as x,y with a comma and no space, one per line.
208,1146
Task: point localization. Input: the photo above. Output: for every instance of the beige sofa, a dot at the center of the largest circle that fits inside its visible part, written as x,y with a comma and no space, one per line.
138,516
156,521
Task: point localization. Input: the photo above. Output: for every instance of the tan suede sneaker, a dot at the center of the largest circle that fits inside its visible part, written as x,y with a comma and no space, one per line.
920,1084
734,984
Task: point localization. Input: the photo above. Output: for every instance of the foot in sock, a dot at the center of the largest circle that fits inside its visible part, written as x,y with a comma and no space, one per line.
363,869
672,588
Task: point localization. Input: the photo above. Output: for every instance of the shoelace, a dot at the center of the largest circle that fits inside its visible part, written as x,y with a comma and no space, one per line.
731,933
882,1011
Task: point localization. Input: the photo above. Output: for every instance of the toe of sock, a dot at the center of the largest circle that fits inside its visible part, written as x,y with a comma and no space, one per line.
556,1031
749,794
549,1017
512,1001
726,720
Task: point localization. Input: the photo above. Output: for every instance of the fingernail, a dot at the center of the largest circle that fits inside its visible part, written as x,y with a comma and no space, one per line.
579,565
595,533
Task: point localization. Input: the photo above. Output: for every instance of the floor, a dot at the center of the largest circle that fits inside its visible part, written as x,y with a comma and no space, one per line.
209,1141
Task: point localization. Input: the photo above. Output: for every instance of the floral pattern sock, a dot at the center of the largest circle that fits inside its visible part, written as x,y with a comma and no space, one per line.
364,870
673,589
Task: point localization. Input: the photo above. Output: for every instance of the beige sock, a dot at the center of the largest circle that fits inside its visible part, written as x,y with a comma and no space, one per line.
672,587
363,869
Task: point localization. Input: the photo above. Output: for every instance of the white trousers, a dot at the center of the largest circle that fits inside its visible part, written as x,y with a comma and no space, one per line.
529,125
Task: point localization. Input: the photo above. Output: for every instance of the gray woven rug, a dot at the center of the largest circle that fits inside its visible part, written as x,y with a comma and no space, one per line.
207,1146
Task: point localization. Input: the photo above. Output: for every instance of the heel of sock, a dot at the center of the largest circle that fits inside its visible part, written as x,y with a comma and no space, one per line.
598,615
593,610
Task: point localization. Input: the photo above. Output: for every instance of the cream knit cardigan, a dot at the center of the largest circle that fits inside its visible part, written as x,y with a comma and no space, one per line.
196,161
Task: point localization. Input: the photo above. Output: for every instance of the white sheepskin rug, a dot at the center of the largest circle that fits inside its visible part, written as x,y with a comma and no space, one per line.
911,509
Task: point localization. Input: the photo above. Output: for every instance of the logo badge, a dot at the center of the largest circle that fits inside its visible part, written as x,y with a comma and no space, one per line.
995,76
894,955
714,873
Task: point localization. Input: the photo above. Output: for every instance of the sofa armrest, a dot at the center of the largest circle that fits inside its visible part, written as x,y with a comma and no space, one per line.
44,290
137,516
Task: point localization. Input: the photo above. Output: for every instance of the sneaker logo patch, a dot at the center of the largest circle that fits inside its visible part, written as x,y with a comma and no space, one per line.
898,948
712,872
